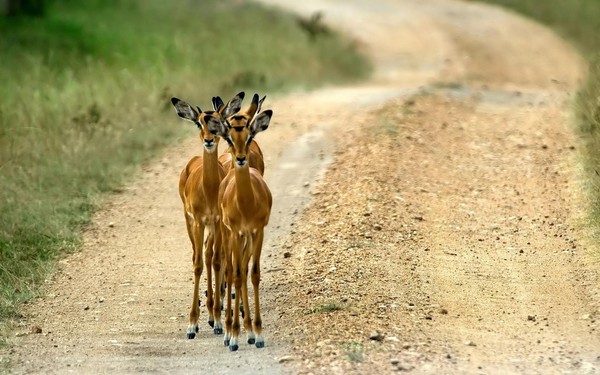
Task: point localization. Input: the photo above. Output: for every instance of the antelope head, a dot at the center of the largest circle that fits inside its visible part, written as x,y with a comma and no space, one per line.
206,120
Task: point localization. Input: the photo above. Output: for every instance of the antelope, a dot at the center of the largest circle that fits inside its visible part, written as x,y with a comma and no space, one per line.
199,191
245,201
255,158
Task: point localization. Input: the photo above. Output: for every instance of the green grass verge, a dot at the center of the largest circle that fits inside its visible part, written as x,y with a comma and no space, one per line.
578,21
84,99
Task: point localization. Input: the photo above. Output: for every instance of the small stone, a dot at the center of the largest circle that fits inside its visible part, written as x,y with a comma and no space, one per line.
444,311
377,227
376,336
285,359
86,308
36,329
470,343
287,254
394,361
531,318
111,225
306,184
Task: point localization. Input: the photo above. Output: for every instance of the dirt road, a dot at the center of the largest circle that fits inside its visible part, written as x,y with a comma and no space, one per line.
442,231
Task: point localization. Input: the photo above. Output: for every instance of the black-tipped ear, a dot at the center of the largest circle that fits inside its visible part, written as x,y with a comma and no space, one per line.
260,103
199,110
255,99
184,110
218,104
233,106
261,122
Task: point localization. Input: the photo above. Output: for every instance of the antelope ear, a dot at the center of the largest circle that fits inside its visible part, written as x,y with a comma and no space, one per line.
253,108
218,104
184,110
233,106
260,103
261,122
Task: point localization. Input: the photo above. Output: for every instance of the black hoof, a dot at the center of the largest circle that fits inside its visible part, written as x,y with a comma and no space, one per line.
218,331
251,340
211,323
225,342
233,348
191,335
260,344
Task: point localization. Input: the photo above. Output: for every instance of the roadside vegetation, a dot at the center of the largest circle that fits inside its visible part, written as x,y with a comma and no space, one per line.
579,22
84,99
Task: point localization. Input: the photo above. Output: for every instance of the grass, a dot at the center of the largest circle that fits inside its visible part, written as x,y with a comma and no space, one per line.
325,308
578,21
84,100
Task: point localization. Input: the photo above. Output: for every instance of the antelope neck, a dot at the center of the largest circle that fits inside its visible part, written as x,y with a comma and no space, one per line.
210,169
243,185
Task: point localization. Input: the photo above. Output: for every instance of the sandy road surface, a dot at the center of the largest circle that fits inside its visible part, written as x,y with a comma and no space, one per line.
441,235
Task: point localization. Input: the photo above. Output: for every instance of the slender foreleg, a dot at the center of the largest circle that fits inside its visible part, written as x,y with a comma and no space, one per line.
246,254
237,280
229,281
217,265
255,275
198,232
208,259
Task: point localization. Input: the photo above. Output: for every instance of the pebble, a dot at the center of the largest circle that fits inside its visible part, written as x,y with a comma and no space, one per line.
376,336
286,358
111,225
470,343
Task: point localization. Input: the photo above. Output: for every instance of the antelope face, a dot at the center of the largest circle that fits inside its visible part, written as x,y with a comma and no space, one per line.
207,120
204,120
239,130
239,138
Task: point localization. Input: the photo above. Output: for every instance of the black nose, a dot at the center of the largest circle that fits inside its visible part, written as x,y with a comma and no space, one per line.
209,143
240,160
